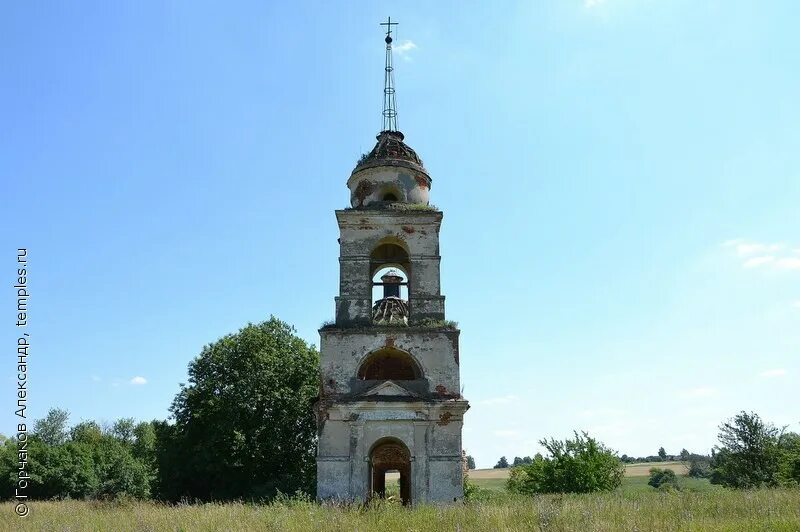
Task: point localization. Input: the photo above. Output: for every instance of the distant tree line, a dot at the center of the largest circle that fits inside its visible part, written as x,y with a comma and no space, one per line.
750,454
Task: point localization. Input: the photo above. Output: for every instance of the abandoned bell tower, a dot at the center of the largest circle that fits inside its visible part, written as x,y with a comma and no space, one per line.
390,396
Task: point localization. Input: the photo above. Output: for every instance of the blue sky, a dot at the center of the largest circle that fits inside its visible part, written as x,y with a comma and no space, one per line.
619,178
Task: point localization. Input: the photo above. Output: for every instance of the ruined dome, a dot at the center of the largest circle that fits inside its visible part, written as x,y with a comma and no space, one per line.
391,173
390,311
390,150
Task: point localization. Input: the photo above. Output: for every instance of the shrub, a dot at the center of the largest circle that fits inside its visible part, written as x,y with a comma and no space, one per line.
580,465
663,478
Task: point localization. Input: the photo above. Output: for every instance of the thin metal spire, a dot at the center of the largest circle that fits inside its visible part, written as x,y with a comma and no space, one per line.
389,106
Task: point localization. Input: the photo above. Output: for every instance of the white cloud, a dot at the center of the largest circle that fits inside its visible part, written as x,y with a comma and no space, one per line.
796,304
754,262
589,4
772,373
745,248
788,263
508,433
698,392
404,48
776,255
503,400
138,380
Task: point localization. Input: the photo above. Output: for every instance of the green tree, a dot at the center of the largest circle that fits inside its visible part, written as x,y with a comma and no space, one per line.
244,425
662,454
699,466
789,449
470,462
684,455
502,463
580,465
52,429
86,432
517,461
123,430
748,455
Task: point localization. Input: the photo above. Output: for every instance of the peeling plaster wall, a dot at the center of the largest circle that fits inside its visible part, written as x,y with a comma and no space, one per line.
425,414
369,185
361,231
436,352
435,448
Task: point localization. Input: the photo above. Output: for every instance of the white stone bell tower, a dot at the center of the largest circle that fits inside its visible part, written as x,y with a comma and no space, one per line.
390,395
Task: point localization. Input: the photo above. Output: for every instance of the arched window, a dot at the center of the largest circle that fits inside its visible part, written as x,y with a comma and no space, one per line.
389,364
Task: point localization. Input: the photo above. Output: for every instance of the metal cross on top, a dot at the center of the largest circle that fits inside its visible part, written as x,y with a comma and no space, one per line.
389,105
389,25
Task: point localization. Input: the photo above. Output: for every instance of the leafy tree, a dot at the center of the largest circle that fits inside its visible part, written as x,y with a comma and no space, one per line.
470,462
748,455
502,463
244,425
86,432
699,466
662,478
684,455
517,461
581,465
662,454
123,430
52,430
789,448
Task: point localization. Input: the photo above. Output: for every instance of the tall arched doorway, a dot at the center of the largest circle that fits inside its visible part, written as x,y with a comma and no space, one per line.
390,455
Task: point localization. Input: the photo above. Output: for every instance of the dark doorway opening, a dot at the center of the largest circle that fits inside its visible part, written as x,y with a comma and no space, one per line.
389,456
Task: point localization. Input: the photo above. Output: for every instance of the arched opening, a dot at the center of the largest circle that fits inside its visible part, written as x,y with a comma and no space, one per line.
389,455
390,193
389,268
390,252
389,364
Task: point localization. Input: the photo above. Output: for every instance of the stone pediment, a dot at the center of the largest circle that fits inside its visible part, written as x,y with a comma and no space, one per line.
389,389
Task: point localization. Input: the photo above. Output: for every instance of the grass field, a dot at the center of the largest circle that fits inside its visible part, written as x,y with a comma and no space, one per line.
699,505
643,510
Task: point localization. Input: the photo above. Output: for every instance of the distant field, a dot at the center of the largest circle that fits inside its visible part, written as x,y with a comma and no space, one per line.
631,470
636,477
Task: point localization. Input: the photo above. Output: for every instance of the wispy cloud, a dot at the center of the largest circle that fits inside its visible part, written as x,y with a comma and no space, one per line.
138,380
698,392
404,49
772,373
589,4
507,433
796,304
774,255
502,400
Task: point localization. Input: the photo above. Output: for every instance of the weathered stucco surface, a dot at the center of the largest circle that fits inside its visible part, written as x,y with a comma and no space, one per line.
390,389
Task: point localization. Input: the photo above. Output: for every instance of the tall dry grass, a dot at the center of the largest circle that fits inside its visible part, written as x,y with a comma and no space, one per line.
716,510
